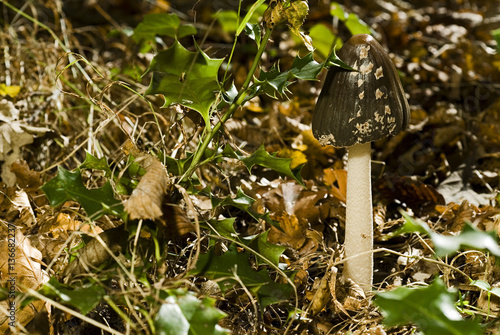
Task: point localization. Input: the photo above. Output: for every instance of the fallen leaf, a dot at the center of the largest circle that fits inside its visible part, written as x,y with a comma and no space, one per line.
20,266
319,295
336,179
146,200
25,177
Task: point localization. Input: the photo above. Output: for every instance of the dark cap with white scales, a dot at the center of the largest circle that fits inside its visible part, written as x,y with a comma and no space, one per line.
363,105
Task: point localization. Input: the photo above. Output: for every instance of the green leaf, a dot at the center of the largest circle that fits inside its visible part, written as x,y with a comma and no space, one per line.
68,185
85,298
170,320
323,39
241,201
262,246
228,19
257,5
186,78
356,25
352,21
161,24
184,314
225,227
281,165
274,81
431,308
254,32
337,11
223,268
334,60
486,287
470,237
93,163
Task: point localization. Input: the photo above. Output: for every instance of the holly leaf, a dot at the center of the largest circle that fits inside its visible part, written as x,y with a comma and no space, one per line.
274,81
430,308
469,238
184,314
68,185
186,78
262,246
224,227
224,269
241,201
94,163
162,24
281,165
85,298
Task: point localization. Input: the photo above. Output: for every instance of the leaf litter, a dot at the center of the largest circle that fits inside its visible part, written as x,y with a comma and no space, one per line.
284,199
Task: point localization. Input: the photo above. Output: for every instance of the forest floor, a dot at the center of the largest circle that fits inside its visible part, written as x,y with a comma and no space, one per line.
112,229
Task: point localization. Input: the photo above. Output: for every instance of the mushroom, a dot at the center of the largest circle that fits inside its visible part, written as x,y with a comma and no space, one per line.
355,108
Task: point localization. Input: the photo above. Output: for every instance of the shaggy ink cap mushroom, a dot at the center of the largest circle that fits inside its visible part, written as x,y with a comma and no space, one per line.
364,105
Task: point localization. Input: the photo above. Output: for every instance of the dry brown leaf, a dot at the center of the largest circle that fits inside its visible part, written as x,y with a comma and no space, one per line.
64,222
27,179
16,208
146,200
319,295
420,197
19,268
296,234
175,221
336,179
95,253
293,233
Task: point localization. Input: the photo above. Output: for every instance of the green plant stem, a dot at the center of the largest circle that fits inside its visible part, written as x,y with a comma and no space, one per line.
238,100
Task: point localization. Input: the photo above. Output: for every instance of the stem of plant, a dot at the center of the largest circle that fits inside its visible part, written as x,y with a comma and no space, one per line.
359,217
238,100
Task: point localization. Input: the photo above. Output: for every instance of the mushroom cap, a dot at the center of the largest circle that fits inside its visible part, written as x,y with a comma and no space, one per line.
364,105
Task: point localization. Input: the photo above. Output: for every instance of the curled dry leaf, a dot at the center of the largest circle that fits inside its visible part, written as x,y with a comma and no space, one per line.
146,200
19,268
319,295
16,209
96,253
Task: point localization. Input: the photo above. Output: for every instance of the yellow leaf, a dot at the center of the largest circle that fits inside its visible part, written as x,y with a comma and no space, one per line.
11,91
298,158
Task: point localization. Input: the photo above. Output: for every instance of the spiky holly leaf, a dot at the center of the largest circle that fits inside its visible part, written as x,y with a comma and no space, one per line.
276,82
94,163
430,308
270,252
85,298
241,201
470,237
68,185
162,24
281,165
186,78
224,269
184,314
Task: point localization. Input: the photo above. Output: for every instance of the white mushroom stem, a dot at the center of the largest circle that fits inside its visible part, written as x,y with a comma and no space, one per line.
359,217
